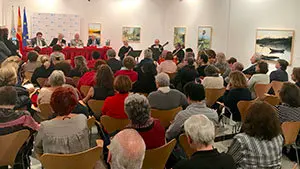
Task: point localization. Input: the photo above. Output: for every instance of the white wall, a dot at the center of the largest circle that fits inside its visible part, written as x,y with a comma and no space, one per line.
1,15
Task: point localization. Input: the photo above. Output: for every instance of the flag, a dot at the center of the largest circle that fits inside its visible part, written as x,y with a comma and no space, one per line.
19,30
25,29
13,28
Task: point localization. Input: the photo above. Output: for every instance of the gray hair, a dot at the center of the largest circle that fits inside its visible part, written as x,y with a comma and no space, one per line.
137,108
162,79
57,78
127,150
111,53
200,129
221,58
257,56
57,56
148,53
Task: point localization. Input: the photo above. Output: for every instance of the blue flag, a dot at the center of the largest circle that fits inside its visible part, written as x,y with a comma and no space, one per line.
25,30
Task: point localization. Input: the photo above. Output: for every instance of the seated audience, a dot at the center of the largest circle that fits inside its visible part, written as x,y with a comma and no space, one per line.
126,150
32,62
196,97
222,65
202,62
95,57
57,57
114,105
254,60
43,71
280,74
167,66
138,111
4,50
184,62
65,67
58,41
67,133
104,85
296,76
237,66
200,132
146,70
212,80
76,42
289,110
260,143
80,67
127,70
112,62
174,97
231,61
260,77
211,56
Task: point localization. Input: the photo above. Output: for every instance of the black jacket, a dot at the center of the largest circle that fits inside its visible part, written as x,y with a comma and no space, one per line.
186,74
114,64
250,70
54,42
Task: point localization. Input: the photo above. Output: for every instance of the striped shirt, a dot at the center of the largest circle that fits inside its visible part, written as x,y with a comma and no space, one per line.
288,113
250,152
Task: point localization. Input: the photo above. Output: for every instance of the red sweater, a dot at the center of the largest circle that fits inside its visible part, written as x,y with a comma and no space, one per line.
130,73
88,79
114,106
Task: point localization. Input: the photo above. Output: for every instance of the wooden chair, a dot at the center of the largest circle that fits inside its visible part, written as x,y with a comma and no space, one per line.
28,76
91,122
186,146
261,90
243,107
76,80
290,132
276,85
45,111
84,89
96,107
111,124
271,99
86,159
10,145
157,158
41,81
212,95
172,75
165,116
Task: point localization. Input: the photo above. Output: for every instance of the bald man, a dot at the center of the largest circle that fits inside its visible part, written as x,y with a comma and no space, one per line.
157,49
76,42
126,150
58,41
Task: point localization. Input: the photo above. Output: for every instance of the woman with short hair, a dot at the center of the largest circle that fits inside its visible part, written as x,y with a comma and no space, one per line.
80,67
212,79
260,77
32,62
128,63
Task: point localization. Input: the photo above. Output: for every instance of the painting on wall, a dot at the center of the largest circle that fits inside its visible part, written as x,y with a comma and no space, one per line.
275,44
95,30
204,37
131,34
179,35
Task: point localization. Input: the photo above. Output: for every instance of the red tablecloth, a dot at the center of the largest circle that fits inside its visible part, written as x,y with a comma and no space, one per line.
71,53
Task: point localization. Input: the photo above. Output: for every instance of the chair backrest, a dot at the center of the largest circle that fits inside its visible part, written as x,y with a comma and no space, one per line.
165,116
261,89
76,80
86,159
172,75
10,145
157,158
272,100
45,111
111,124
84,89
186,146
41,81
290,131
91,122
28,76
243,107
212,95
96,106
277,85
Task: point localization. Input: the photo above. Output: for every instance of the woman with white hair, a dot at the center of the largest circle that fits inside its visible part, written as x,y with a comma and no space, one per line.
222,65
200,132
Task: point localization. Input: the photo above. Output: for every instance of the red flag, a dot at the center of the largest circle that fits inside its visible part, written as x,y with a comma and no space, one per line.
19,30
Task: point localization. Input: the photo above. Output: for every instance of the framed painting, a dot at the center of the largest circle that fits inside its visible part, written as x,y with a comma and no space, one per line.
274,44
179,35
131,34
94,30
204,37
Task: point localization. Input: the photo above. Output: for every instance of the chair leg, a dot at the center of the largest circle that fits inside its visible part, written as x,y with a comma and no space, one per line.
297,156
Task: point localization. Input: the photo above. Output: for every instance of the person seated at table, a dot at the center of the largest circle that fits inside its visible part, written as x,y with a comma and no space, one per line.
58,41
80,67
112,62
280,74
95,57
114,105
76,42
295,76
260,77
104,85
44,71
260,143
127,70
212,80
167,66
38,40
124,50
158,98
138,111
67,133
202,62
200,134
32,62
93,41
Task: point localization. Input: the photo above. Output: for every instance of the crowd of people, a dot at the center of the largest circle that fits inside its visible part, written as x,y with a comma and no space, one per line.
130,90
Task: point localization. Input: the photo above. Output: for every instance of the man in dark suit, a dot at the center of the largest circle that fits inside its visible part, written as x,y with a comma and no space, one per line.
58,41
124,50
254,59
157,49
93,41
38,40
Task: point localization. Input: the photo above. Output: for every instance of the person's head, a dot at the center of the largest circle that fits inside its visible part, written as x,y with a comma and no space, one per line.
45,60
169,56
189,55
126,150
96,55
57,57
8,96
189,50
200,131
237,66
202,57
231,61
237,80
262,121
57,48
63,101
105,77
32,56
93,37
211,56
262,67
39,35
8,76
148,53
296,74
3,33
64,67
137,108
221,58
80,64
255,58
190,61
60,36
162,80
211,70
99,63
57,78
125,42
111,53
122,84
129,62
290,94
194,92
156,42
76,36
281,64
